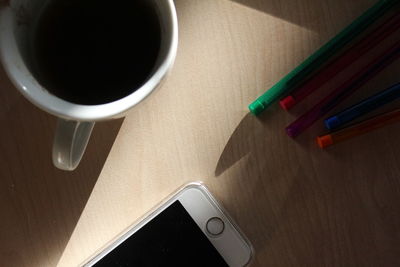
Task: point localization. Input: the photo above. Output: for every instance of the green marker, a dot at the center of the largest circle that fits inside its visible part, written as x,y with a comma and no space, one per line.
314,61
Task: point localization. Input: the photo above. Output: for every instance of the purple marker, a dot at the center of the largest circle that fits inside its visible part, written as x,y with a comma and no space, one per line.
343,91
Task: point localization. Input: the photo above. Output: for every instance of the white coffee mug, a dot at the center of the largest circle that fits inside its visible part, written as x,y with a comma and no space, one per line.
75,121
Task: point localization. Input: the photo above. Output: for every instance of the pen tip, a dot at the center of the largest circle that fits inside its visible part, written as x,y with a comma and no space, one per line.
291,132
287,102
256,107
332,122
324,141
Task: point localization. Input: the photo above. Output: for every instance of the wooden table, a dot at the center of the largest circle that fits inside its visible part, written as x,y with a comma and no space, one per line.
299,205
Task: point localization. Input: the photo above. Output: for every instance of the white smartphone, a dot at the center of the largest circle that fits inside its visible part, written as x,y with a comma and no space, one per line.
189,229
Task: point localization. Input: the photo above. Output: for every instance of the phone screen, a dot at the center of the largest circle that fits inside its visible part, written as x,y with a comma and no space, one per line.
172,238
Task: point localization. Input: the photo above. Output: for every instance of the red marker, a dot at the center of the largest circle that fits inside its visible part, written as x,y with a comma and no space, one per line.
359,129
351,55
343,91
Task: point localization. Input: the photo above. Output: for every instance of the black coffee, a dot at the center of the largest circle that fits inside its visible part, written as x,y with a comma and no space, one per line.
95,51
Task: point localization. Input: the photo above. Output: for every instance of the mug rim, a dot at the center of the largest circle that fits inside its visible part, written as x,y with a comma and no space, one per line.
15,68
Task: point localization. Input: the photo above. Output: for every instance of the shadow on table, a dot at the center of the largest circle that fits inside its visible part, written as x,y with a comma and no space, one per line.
39,204
311,203
250,147
302,13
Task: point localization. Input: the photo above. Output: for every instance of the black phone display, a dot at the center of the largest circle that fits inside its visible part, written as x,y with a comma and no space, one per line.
172,238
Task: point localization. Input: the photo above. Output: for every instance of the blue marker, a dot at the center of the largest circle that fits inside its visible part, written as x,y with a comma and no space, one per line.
363,107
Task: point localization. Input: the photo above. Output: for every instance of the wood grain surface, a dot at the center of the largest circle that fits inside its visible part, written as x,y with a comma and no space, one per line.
298,205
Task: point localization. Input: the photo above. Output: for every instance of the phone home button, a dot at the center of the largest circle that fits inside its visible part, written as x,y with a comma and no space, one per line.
215,226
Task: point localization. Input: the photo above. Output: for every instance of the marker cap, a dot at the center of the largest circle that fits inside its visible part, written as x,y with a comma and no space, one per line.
288,102
332,122
256,107
324,141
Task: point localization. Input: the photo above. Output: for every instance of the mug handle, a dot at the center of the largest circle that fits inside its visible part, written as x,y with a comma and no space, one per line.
70,142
